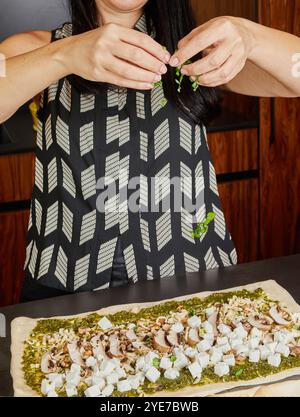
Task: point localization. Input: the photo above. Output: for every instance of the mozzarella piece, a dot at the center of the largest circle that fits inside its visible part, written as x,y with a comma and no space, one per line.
225,348
203,359
194,322
91,361
272,346
135,381
224,329
240,331
209,311
71,391
112,378
274,360
221,369
73,378
171,373
56,379
93,391
255,332
177,327
253,343
140,363
46,386
283,336
235,343
181,361
222,340
264,352
190,352
254,356
107,367
124,386
208,327
232,336
242,350
229,359
215,355
98,380
195,370
108,390
204,345
52,394
121,372
75,368
105,324
152,374
165,363
283,349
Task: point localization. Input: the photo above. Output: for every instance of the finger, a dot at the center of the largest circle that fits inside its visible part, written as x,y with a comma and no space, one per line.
131,72
190,36
145,42
126,83
139,57
198,43
231,68
217,57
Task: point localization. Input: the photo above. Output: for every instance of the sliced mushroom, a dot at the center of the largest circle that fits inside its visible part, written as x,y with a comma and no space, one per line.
212,319
159,342
295,351
261,323
45,362
182,316
74,353
114,346
172,338
193,337
277,317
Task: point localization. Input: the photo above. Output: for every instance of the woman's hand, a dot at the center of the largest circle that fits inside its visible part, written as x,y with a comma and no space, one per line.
226,44
116,55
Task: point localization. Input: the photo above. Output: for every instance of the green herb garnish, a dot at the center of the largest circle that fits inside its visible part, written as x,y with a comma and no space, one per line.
239,372
173,358
202,227
156,362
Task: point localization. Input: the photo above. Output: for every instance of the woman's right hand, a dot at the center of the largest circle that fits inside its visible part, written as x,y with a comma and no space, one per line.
117,55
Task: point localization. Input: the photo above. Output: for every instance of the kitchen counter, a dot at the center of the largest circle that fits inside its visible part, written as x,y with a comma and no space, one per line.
286,271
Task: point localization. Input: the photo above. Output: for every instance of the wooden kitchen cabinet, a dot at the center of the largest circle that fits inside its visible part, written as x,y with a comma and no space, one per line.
13,232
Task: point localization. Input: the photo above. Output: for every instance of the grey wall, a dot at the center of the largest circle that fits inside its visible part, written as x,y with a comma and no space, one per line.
23,15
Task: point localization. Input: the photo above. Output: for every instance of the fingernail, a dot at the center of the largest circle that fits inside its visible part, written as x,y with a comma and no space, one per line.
174,62
167,57
157,78
163,69
183,71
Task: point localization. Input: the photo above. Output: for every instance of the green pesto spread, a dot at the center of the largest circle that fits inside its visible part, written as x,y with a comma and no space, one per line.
245,371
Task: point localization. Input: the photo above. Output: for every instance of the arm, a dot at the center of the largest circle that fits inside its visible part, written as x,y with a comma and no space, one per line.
26,55
112,54
242,56
270,68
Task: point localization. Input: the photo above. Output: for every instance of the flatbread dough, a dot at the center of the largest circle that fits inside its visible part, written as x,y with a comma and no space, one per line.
21,328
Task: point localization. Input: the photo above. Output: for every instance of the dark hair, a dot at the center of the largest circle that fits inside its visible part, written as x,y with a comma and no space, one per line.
178,20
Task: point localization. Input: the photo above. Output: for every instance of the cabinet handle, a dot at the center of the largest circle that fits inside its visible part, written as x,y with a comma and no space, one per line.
272,121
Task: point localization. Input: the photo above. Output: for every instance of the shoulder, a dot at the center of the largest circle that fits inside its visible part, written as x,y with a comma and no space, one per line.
22,43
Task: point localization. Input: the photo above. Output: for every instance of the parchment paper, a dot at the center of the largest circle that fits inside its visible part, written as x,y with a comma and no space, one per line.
21,328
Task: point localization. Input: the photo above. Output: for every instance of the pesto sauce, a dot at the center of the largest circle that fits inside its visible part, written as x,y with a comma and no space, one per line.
247,371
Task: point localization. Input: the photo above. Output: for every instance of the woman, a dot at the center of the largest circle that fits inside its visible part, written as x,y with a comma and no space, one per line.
108,118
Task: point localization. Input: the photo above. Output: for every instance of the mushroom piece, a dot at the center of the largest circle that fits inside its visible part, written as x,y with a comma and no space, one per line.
277,317
159,342
193,337
114,346
261,323
182,316
45,362
295,351
173,338
74,353
212,319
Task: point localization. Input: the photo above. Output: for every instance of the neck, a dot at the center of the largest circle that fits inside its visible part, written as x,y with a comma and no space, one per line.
123,18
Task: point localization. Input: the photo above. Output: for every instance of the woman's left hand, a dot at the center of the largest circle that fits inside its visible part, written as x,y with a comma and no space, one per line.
225,43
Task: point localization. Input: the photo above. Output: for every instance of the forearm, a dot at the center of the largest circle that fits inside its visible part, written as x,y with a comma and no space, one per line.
28,74
274,52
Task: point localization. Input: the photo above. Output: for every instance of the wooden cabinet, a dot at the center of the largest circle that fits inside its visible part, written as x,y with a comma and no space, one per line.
16,181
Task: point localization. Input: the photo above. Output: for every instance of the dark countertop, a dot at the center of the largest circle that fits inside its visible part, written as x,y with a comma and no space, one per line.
286,271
